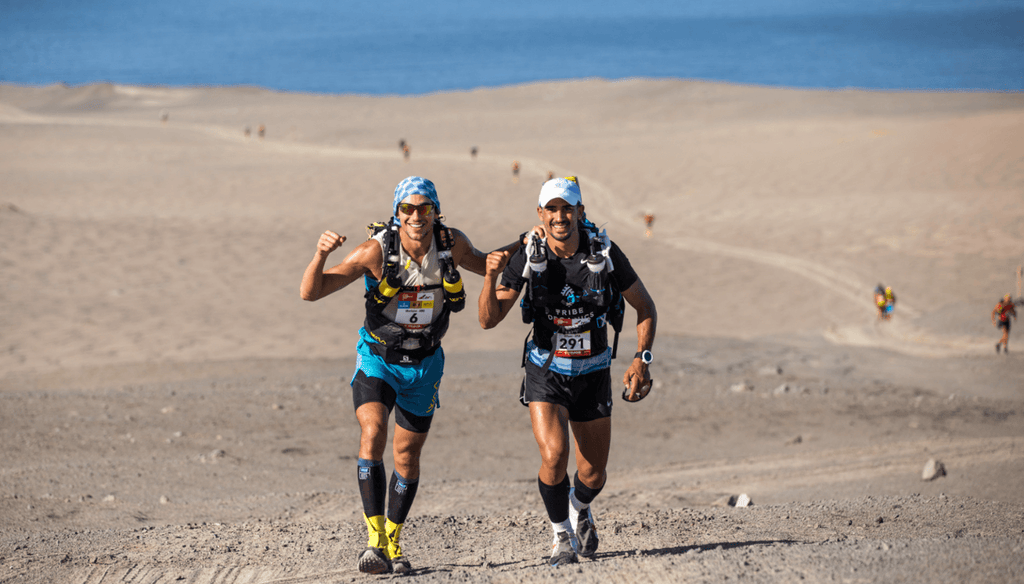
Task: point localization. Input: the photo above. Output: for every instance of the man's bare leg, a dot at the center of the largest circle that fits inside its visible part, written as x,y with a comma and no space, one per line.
593,442
551,430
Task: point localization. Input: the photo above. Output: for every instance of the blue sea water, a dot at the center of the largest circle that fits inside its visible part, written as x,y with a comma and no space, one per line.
408,47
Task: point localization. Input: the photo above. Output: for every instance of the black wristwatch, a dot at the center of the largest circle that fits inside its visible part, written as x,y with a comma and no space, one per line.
645,356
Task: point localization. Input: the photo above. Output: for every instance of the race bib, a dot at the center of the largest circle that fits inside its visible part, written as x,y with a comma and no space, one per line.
572,345
414,309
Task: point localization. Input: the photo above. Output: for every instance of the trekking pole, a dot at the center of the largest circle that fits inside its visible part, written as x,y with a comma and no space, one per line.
528,253
536,256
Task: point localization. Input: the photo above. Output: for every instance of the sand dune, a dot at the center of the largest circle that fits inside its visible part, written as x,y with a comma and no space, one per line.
150,318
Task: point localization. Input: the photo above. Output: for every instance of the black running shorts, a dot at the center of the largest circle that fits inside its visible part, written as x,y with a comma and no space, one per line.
1005,324
587,397
373,389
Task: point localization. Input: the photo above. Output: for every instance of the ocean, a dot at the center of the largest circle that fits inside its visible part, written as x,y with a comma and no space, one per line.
390,47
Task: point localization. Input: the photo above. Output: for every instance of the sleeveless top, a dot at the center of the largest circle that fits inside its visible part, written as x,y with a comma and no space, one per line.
420,301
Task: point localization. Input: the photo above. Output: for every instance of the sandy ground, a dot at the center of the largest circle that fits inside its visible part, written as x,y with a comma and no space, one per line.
173,412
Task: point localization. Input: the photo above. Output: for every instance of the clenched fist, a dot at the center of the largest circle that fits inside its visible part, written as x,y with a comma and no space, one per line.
496,261
329,242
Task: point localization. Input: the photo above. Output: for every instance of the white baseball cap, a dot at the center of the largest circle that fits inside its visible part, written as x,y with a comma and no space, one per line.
560,188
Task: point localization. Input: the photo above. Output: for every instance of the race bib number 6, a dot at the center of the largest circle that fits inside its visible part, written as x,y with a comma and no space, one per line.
572,345
414,308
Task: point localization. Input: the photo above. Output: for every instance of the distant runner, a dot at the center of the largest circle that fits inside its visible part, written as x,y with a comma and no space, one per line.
885,301
1003,311
649,225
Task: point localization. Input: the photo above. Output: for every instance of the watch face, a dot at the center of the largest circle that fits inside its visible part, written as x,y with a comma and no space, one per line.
647,357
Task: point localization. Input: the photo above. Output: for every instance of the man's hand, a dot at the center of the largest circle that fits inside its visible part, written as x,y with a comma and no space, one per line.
637,381
496,262
329,242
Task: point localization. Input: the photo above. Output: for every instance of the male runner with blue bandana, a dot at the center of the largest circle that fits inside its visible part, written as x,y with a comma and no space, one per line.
399,359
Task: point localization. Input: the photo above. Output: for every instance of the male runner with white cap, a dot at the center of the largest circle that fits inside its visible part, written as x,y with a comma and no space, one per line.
571,287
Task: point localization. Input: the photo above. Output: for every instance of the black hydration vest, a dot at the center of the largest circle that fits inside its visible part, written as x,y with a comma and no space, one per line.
394,342
570,305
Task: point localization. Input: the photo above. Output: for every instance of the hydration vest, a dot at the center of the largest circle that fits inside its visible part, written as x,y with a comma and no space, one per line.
407,333
571,321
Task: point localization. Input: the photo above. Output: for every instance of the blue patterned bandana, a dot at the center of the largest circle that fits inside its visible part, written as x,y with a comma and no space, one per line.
416,185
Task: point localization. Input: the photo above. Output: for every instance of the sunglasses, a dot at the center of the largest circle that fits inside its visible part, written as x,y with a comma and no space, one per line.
425,209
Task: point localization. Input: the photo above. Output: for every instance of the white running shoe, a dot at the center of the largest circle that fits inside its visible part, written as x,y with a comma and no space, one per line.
583,527
562,551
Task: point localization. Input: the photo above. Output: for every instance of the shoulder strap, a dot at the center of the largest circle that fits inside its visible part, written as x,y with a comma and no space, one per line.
617,310
392,241
443,237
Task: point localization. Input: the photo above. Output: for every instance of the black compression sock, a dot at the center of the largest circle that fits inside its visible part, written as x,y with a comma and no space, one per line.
556,499
402,492
583,493
372,486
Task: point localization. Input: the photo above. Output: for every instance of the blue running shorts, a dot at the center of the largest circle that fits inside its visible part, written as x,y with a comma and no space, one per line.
417,386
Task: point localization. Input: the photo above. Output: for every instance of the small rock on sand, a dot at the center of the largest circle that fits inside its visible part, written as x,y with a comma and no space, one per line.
933,469
741,387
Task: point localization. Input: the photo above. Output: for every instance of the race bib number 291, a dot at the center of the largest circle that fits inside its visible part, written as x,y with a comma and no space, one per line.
572,345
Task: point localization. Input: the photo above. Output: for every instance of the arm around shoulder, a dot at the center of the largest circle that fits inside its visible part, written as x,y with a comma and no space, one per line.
469,257
465,255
